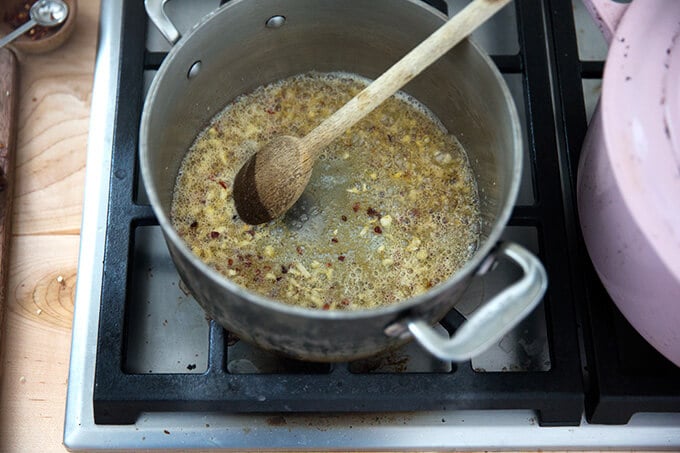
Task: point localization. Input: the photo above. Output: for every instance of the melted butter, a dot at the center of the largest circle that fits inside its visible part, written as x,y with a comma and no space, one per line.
390,211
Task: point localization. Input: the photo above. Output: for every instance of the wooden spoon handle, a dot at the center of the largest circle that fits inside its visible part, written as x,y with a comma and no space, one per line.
427,52
8,115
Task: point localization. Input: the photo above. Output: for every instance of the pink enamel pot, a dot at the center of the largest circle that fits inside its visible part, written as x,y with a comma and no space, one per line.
629,172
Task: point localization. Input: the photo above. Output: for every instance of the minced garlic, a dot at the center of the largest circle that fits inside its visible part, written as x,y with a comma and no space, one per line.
391,208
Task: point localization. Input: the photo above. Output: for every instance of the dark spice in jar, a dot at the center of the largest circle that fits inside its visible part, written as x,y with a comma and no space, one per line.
20,15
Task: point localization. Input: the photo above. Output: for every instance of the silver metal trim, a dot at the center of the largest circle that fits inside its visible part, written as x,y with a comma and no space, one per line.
79,414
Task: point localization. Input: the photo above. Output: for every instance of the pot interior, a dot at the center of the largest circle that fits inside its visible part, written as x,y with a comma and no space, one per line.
238,52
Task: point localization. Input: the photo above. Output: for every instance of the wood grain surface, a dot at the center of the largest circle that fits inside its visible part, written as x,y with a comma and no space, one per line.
54,100
50,162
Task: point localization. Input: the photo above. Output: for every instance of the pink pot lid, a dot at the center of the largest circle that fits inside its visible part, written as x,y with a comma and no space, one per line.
641,120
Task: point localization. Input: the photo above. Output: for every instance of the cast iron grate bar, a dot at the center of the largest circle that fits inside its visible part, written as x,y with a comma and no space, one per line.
556,394
592,69
549,183
153,60
626,374
118,249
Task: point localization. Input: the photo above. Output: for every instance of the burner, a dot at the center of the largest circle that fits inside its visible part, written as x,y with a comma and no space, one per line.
199,376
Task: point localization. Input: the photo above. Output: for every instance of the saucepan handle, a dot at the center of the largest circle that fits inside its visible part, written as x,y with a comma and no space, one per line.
156,11
494,319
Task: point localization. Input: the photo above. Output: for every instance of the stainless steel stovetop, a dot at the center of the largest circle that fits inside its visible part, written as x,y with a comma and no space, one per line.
168,332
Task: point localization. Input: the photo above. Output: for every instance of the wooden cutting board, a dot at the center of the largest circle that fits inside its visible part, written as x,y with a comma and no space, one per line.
9,95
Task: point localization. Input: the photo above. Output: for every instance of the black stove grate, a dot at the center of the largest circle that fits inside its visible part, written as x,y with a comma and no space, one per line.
625,375
556,394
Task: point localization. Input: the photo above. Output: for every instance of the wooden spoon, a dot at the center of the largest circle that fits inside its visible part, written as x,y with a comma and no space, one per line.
272,180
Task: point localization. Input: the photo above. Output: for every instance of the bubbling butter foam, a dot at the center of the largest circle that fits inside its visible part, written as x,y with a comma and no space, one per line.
390,211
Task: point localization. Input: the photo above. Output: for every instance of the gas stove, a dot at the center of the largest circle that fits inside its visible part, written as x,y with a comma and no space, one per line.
148,370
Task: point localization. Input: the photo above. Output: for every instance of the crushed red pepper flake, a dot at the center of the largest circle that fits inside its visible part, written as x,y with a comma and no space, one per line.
223,184
326,306
20,15
291,259
214,234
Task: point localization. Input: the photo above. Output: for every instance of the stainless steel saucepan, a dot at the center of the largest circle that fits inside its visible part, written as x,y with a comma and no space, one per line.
245,44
